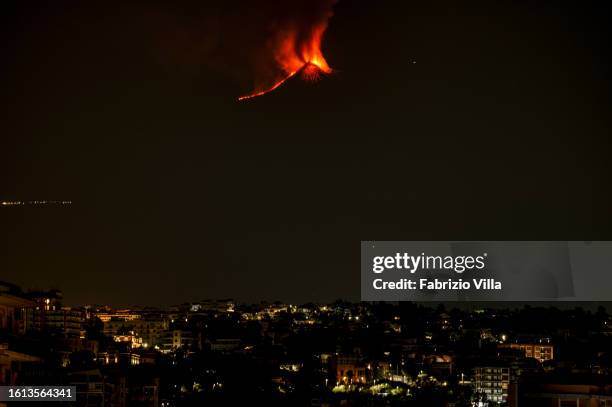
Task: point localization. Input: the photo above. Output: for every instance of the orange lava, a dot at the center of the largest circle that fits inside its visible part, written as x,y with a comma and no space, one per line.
293,54
263,92
309,71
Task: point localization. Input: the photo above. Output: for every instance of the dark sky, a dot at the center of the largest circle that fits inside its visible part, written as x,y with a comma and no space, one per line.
472,120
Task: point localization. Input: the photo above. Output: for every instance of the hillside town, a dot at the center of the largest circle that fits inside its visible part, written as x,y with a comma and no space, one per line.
214,352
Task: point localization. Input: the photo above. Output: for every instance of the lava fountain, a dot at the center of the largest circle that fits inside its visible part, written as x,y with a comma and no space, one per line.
296,50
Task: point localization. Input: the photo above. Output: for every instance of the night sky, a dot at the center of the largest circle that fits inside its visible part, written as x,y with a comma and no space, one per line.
473,120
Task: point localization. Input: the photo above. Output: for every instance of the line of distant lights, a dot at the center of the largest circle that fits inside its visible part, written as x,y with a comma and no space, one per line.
32,203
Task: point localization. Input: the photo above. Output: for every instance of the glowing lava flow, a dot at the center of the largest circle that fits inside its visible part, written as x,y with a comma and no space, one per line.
310,71
263,92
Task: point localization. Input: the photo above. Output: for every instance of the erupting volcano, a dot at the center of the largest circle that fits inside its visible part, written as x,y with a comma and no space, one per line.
296,50
310,71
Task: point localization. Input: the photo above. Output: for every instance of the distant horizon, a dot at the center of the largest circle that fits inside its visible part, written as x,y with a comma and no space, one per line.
509,305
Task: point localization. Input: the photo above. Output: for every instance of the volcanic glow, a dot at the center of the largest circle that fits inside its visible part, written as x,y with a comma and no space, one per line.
296,52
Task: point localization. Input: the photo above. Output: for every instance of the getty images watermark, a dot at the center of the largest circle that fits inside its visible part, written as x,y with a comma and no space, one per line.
485,271
413,264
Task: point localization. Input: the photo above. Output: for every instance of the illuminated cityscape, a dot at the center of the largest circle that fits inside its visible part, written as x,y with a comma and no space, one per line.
222,351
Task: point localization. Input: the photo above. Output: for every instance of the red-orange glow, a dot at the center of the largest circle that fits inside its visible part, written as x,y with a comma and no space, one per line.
263,92
293,55
312,72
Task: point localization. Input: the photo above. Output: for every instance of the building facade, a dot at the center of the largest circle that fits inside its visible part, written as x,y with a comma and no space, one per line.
492,382
540,352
